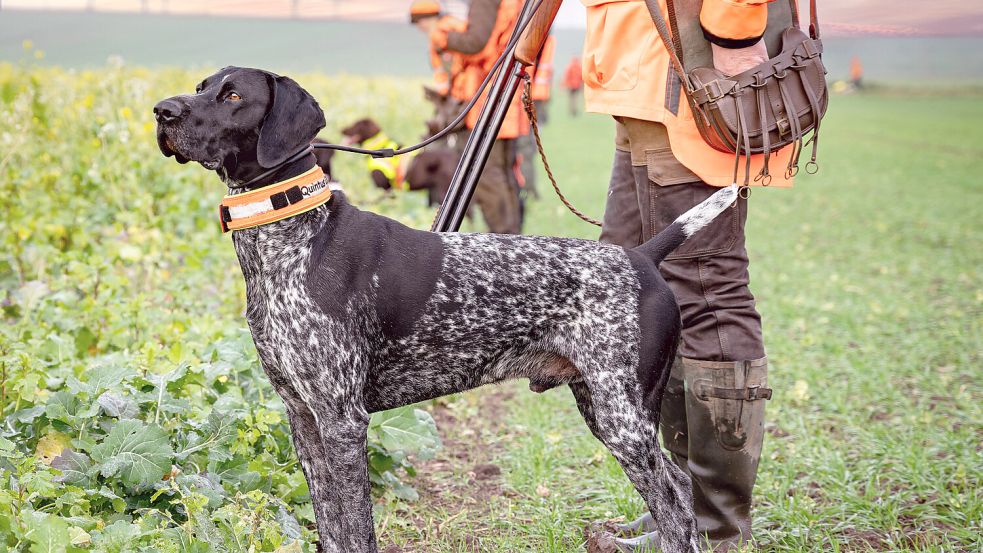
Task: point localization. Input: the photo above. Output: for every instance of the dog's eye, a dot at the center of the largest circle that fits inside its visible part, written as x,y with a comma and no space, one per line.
233,96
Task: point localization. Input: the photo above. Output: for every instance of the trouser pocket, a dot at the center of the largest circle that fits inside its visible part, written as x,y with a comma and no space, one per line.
734,392
673,190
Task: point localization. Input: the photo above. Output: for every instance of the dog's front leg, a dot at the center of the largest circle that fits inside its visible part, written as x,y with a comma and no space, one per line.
311,454
344,501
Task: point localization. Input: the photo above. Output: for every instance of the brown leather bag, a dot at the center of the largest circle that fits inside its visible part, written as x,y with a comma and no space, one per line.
772,105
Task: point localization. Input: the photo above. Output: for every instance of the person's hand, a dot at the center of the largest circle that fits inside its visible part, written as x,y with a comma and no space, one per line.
731,61
438,39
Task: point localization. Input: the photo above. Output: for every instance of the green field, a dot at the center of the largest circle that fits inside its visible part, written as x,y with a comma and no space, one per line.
114,279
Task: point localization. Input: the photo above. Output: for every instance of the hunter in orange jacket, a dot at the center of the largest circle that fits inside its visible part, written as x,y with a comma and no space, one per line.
712,411
447,66
489,27
633,78
487,31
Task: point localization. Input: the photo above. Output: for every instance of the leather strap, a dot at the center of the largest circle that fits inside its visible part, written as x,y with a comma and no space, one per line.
751,393
660,23
673,24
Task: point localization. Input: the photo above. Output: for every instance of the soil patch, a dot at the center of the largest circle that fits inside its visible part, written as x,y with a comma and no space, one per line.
462,480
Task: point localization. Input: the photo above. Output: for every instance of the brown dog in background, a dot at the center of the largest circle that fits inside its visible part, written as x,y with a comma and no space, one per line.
430,170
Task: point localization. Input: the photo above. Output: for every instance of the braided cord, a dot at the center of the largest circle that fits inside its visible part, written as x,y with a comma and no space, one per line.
531,112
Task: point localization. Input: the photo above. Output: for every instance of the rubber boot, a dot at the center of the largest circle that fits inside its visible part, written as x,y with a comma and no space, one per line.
606,542
721,405
725,407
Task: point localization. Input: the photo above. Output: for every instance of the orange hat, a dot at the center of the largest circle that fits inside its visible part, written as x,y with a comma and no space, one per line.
423,8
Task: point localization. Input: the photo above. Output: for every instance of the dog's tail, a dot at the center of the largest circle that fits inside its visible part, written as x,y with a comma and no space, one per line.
687,224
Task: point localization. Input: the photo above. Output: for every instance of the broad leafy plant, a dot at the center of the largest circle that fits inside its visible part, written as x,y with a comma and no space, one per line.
135,414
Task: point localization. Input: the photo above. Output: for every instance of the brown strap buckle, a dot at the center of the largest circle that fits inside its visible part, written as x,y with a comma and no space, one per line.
750,393
810,47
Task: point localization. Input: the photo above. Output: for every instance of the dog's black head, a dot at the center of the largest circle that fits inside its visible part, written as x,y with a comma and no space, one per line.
361,130
240,122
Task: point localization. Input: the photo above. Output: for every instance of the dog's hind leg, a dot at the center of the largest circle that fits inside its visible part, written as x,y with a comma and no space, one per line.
619,420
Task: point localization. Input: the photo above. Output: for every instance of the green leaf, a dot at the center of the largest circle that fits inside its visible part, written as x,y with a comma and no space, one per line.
140,454
50,535
62,406
214,435
74,468
115,406
236,473
117,502
287,522
7,447
84,339
27,416
116,536
108,373
406,429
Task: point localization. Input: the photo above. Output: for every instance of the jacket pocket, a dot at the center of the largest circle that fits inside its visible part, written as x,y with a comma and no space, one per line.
612,52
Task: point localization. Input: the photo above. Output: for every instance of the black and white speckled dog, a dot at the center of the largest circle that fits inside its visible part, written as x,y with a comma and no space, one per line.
354,313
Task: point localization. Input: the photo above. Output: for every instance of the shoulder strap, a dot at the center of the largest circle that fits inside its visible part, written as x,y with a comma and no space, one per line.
655,10
813,17
660,23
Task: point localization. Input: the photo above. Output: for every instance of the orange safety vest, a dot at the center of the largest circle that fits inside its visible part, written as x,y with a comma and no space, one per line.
627,73
573,78
447,65
477,66
542,74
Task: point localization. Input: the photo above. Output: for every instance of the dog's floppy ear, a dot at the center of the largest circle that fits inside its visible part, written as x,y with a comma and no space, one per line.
292,122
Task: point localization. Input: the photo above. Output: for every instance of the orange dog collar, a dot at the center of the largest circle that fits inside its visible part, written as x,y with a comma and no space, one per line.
275,202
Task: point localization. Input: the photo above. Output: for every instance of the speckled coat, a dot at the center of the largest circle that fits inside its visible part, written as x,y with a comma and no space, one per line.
354,313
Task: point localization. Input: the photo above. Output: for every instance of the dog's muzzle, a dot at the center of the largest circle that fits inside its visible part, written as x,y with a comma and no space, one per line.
169,111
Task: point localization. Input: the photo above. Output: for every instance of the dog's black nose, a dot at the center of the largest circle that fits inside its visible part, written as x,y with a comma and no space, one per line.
168,110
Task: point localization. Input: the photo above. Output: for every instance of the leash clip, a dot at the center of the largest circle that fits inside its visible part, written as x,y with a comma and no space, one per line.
384,152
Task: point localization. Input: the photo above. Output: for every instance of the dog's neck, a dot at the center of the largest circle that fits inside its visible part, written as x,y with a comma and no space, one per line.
276,203
237,176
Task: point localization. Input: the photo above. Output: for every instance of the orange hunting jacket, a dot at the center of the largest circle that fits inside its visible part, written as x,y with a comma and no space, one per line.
477,65
447,66
542,72
627,73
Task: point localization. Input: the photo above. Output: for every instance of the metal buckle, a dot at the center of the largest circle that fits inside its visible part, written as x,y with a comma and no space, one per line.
713,91
780,69
783,126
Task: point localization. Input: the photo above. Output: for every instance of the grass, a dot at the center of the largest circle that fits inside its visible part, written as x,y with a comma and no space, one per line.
868,279
867,275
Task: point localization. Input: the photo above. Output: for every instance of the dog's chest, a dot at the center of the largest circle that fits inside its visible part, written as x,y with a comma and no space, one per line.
292,335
